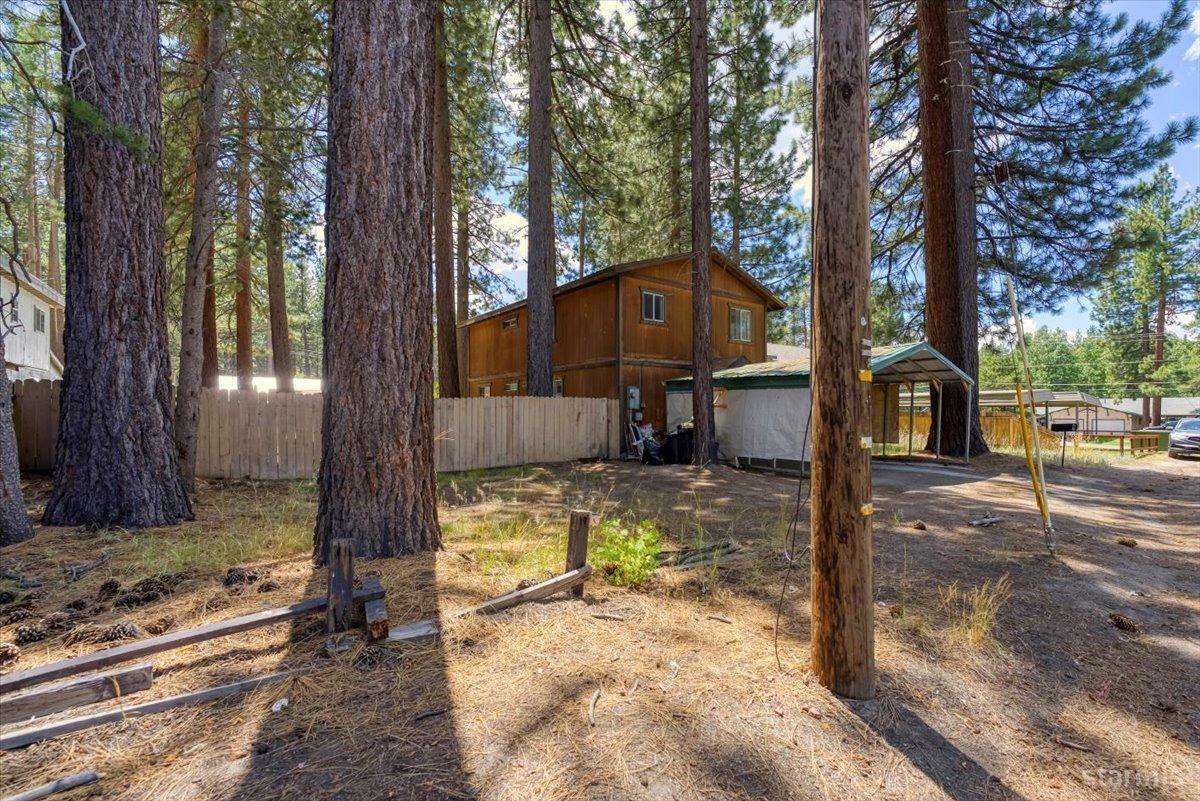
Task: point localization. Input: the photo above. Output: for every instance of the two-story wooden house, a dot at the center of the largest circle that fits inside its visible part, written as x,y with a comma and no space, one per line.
628,325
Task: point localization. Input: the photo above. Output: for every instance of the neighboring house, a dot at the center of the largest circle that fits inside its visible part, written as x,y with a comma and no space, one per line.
1172,408
628,326
27,351
777,352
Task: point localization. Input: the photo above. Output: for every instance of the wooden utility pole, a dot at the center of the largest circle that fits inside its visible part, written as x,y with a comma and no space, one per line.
948,191
843,637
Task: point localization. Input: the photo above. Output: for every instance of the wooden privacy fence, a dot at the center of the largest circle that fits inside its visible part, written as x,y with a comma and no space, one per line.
270,435
999,430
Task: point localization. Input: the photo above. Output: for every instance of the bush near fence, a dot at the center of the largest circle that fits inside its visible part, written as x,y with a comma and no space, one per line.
277,435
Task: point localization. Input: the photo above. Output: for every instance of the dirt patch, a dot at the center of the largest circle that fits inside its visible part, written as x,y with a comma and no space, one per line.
681,689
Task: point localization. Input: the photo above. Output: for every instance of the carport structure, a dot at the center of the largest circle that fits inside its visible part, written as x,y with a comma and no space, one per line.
762,407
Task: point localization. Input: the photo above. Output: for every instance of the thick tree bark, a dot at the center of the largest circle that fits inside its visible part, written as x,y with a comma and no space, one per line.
376,482
443,226
210,368
14,520
539,338
281,343
702,389
116,462
462,293
241,244
32,256
843,652
53,260
948,185
200,242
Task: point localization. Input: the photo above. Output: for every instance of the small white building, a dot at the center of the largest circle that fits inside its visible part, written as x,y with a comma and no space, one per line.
29,303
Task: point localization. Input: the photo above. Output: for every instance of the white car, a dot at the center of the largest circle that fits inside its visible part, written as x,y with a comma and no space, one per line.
1185,438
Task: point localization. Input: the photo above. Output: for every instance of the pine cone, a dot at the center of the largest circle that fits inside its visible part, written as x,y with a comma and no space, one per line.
9,653
1122,622
31,633
160,626
119,631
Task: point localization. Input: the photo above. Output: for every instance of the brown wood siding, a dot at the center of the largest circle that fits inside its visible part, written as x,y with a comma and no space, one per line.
590,350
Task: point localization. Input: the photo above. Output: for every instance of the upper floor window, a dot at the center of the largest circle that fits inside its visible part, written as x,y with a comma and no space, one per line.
740,324
485,391
511,387
509,322
654,306
558,387
39,321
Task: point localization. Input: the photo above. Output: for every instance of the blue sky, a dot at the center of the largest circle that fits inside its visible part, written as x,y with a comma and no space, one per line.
1177,100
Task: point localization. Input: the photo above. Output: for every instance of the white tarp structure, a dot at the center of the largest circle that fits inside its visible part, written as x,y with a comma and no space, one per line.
761,410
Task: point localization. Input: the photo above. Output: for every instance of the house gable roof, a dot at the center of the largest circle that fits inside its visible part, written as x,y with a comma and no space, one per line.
770,298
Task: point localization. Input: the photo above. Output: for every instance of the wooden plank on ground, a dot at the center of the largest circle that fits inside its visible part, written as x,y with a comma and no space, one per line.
37,734
60,785
76,692
375,611
167,642
429,628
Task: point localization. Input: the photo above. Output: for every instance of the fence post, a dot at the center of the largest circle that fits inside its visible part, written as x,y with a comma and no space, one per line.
340,607
577,542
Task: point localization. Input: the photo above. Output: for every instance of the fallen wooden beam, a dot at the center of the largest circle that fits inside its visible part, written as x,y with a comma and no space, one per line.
56,786
37,734
167,642
430,628
375,611
76,692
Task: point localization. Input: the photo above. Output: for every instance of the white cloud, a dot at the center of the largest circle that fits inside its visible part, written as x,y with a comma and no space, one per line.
1193,51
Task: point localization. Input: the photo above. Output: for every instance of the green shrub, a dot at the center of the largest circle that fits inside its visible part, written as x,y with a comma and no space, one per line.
626,556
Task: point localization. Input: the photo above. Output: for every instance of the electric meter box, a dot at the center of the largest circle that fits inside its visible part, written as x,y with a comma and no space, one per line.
633,397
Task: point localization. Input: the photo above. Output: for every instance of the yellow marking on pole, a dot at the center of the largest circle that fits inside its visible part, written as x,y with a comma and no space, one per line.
864,376
866,510
864,443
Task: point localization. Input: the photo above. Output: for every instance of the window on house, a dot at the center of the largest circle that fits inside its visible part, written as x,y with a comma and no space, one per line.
485,391
654,306
509,322
15,314
511,387
39,321
739,324
558,387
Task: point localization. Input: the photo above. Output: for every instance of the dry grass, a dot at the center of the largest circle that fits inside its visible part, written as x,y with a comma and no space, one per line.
691,702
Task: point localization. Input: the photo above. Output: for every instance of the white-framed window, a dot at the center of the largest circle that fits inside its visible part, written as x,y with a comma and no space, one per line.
509,322
485,391
14,314
654,306
511,387
39,320
558,387
740,324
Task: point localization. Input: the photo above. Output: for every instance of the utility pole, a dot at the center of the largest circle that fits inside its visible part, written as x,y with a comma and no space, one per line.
843,623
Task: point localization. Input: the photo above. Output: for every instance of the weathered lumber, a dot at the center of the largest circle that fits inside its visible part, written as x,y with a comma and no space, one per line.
37,734
577,542
56,786
167,642
375,611
340,611
422,629
76,692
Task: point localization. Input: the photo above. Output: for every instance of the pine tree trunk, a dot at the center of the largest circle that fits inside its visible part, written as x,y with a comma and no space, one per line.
14,520
376,482
1160,332
702,388
241,235
210,368
948,184
735,188
462,293
200,243
116,462
32,256
443,224
281,343
843,655
539,338
675,188
53,260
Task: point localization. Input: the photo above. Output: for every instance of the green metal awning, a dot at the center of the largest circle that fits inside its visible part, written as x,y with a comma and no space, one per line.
916,362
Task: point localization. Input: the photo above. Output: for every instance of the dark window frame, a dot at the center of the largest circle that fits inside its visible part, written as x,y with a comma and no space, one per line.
662,296
734,314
